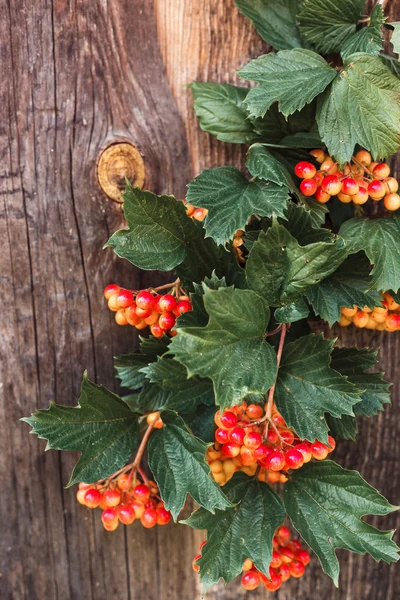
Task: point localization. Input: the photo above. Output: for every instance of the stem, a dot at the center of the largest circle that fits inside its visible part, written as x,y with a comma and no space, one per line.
141,449
270,401
277,330
165,286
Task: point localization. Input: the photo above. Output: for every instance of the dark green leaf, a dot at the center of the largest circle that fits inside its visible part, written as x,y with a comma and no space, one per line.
231,199
369,39
325,504
361,107
353,364
275,21
219,109
303,139
177,461
308,387
150,398
281,270
293,78
292,312
391,63
245,531
344,428
101,427
263,164
328,25
230,349
379,238
348,286
201,422
274,126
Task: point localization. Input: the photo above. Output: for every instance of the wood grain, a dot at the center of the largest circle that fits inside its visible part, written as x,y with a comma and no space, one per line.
76,76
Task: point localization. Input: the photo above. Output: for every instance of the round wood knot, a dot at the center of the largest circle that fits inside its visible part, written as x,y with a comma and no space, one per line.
117,163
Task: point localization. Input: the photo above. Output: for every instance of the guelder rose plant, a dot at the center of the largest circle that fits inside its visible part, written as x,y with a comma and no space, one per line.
237,402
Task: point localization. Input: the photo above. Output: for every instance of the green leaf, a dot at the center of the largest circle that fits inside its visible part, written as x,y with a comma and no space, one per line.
129,366
184,393
344,428
395,39
391,63
348,286
177,461
293,78
369,39
235,534
159,231
353,364
101,428
328,25
300,224
275,21
263,164
201,422
308,387
274,126
325,504
361,107
379,238
302,139
292,312
150,398
219,109
231,200
230,349
281,270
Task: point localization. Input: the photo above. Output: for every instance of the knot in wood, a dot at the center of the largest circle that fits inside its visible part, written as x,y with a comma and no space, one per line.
117,163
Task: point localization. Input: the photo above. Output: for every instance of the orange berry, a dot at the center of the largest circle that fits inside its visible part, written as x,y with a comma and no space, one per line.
349,312
345,198
392,201
361,196
381,171
363,157
392,184
321,196
360,319
318,154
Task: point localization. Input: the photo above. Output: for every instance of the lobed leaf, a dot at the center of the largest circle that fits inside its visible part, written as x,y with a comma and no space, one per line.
369,39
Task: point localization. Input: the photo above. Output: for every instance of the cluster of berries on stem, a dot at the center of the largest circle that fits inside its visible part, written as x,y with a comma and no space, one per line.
127,495
148,308
381,318
359,180
289,559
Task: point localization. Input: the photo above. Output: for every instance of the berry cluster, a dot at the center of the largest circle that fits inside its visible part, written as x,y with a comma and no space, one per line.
244,443
124,500
360,179
382,318
145,308
289,559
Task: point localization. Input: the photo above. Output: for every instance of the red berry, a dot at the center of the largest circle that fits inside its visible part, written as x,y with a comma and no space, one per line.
111,290
331,444
303,556
305,170
164,516
319,450
167,321
308,187
111,498
120,317
276,559
124,481
183,306
252,439
229,419
141,492
167,303
332,185
322,196
362,195
109,516
272,436
236,435
318,154
222,435
250,580
275,460
138,507
297,569
376,190
284,572
126,514
294,459
287,436
145,300
284,533
278,419
156,330
305,449
143,313
125,298
287,555
350,186
381,171
254,411
149,518
261,453
92,498
230,449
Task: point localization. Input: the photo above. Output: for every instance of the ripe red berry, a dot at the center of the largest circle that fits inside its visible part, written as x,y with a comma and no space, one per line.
297,569
138,507
145,300
275,460
362,195
284,533
376,190
350,186
272,436
126,514
125,298
156,330
167,303
319,450
250,580
109,516
322,196
124,481
111,498
230,449
252,440
381,171
332,185
294,459
164,516
92,497
287,555
141,492
254,411
303,556
287,436
120,317
305,449
261,453
284,572
318,154
183,306
228,419
331,444
236,435
149,518
167,321
308,187
276,559
222,436
112,289
305,170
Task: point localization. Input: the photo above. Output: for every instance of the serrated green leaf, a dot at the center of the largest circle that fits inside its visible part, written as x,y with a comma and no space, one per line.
275,21
300,225
129,366
273,127
325,504
293,78
308,387
395,39
173,447
198,317
101,428
235,534
353,364
302,139
348,286
281,270
151,397
231,199
328,25
219,109
292,312
263,164
361,107
369,39
391,63
230,349
379,238
201,422
344,427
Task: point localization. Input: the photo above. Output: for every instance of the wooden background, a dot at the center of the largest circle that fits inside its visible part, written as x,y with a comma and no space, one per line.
76,76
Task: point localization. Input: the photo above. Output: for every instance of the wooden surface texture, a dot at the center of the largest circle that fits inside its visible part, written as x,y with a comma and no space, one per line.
74,77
